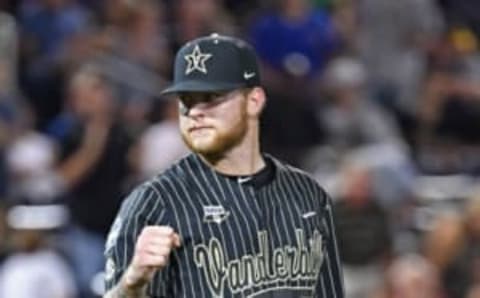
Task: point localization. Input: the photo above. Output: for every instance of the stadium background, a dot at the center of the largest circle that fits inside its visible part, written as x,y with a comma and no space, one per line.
379,100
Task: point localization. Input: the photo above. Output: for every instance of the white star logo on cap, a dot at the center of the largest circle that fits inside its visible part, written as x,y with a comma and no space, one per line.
196,61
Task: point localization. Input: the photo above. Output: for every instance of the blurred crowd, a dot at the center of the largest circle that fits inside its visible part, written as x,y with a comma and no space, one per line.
379,100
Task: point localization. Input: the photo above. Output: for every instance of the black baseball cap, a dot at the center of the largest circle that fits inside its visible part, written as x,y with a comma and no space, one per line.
214,63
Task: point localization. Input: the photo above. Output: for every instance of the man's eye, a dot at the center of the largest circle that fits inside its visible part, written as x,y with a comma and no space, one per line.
186,99
210,97
214,96
190,100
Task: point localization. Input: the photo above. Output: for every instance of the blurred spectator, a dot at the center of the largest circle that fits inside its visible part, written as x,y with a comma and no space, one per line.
115,13
346,20
363,232
411,276
324,3
145,41
4,242
294,42
47,26
449,109
160,144
136,34
396,35
9,91
358,128
474,293
454,246
462,13
35,268
93,166
30,159
243,11
350,118
137,60
295,132
8,55
9,6
444,239
194,18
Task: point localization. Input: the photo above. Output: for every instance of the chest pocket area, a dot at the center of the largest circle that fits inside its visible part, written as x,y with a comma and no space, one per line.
317,236
315,228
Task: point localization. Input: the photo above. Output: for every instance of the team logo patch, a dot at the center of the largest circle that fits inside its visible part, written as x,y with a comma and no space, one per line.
109,269
113,235
215,213
196,61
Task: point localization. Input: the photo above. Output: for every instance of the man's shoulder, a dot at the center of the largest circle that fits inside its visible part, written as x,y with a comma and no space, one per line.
289,169
301,177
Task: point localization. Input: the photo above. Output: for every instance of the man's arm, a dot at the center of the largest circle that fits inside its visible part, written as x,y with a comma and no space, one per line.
331,277
135,251
152,251
78,165
121,291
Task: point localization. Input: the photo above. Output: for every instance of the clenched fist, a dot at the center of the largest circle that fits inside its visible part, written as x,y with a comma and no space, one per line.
152,252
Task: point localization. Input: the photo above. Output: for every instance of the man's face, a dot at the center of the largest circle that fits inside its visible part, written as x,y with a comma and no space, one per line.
89,95
213,123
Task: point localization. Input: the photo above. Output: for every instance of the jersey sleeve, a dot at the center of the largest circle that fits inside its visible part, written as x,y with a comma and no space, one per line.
330,282
141,208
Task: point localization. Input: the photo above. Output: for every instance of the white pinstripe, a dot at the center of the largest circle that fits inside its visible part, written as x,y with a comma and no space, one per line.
218,199
293,198
189,225
286,226
273,200
310,204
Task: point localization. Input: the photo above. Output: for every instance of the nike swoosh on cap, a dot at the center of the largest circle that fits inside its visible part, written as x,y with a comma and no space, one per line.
248,75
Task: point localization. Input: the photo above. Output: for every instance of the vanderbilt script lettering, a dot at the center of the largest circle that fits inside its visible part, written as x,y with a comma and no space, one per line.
297,262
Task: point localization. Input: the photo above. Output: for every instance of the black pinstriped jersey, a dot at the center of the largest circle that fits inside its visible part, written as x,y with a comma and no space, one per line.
239,239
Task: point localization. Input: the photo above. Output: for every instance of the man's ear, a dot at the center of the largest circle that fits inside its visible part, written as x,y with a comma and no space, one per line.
256,100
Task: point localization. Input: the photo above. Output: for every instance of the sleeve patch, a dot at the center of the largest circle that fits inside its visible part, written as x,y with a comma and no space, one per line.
113,234
110,268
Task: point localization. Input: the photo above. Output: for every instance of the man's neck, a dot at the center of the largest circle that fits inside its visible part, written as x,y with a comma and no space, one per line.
243,160
238,165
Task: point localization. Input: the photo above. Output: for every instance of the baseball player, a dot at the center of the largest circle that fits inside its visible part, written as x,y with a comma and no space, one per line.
227,220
